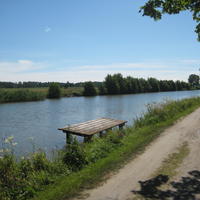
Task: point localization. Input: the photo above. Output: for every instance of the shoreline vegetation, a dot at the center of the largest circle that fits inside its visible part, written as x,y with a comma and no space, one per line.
81,165
112,85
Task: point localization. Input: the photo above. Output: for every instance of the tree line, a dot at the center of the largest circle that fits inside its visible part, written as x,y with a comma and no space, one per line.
117,84
35,84
113,84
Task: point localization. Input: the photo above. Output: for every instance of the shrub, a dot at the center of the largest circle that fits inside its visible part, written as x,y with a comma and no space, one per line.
89,89
54,90
40,161
74,156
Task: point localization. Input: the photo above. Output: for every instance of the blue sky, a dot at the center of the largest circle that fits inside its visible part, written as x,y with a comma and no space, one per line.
76,40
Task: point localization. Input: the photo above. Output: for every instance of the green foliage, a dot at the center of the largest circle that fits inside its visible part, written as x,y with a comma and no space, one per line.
193,80
34,94
20,95
40,161
89,89
156,8
12,185
102,89
117,84
161,112
154,85
101,147
54,90
20,180
74,156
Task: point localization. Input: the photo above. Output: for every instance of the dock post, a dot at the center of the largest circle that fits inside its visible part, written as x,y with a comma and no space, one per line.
68,138
101,134
121,126
87,138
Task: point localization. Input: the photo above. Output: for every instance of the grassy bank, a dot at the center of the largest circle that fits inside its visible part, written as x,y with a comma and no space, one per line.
34,94
82,165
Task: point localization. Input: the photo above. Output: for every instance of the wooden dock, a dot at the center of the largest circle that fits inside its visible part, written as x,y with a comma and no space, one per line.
89,128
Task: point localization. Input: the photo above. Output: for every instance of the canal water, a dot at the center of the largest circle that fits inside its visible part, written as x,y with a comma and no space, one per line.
34,124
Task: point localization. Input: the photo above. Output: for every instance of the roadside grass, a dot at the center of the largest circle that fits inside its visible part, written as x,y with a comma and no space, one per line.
34,94
136,138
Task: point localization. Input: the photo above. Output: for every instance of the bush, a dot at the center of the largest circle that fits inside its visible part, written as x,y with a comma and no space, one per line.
89,89
54,90
40,161
74,156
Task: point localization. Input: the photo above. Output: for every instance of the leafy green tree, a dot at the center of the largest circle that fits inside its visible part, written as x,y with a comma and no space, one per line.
156,8
164,86
154,83
178,85
102,89
172,85
120,81
54,90
193,79
141,85
111,85
147,86
89,89
185,86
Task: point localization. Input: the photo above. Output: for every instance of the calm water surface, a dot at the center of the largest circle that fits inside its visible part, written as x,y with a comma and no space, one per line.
37,122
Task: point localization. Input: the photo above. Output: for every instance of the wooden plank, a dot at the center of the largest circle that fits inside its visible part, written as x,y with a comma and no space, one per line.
90,127
93,126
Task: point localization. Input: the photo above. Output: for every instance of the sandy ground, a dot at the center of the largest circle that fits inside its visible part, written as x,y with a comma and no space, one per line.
120,185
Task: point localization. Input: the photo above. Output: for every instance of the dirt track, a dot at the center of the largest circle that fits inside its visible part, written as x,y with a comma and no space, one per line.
120,185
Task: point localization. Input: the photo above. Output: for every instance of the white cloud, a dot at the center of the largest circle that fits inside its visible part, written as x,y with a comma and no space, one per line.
126,66
25,62
47,29
191,61
7,68
27,70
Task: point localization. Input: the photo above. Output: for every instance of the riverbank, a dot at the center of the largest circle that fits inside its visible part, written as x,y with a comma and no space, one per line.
83,165
8,95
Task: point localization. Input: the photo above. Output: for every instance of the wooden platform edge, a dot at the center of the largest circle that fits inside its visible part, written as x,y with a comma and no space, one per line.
96,128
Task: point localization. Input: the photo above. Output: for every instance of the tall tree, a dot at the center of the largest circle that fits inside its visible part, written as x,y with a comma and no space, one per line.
193,79
54,90
89,89
156,8
154,83
111,85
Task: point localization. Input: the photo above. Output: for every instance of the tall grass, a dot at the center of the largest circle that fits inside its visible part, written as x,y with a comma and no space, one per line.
82,165
34,94
19,95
